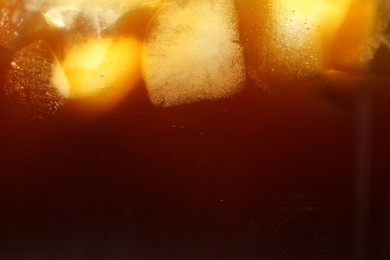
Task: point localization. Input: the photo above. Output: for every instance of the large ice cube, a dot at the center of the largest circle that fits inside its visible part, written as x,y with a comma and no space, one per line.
36,85
285,41
192,52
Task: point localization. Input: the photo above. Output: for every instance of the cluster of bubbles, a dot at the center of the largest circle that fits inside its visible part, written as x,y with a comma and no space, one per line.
189,50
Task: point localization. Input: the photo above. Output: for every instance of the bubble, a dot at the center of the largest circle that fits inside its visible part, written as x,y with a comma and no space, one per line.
36,86
193,53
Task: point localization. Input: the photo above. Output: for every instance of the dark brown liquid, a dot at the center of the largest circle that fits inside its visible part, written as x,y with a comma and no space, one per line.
242,177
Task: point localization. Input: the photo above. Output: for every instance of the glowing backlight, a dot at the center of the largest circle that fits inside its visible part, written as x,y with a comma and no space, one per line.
360,35
101,72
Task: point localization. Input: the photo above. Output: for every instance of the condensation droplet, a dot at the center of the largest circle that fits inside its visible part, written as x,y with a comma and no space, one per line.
14,65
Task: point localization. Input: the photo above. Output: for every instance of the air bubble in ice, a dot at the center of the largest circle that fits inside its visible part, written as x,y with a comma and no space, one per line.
193,53
36,86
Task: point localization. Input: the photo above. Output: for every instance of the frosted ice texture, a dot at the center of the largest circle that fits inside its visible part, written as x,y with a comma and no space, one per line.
192,53
36,87
281,41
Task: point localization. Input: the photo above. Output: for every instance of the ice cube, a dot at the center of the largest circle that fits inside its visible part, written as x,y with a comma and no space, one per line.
36,86
192,53
361,35
284,40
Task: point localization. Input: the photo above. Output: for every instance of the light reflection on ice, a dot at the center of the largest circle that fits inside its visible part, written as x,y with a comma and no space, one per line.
103,13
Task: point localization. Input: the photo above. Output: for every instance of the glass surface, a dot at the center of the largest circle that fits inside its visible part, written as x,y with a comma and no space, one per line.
194,129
